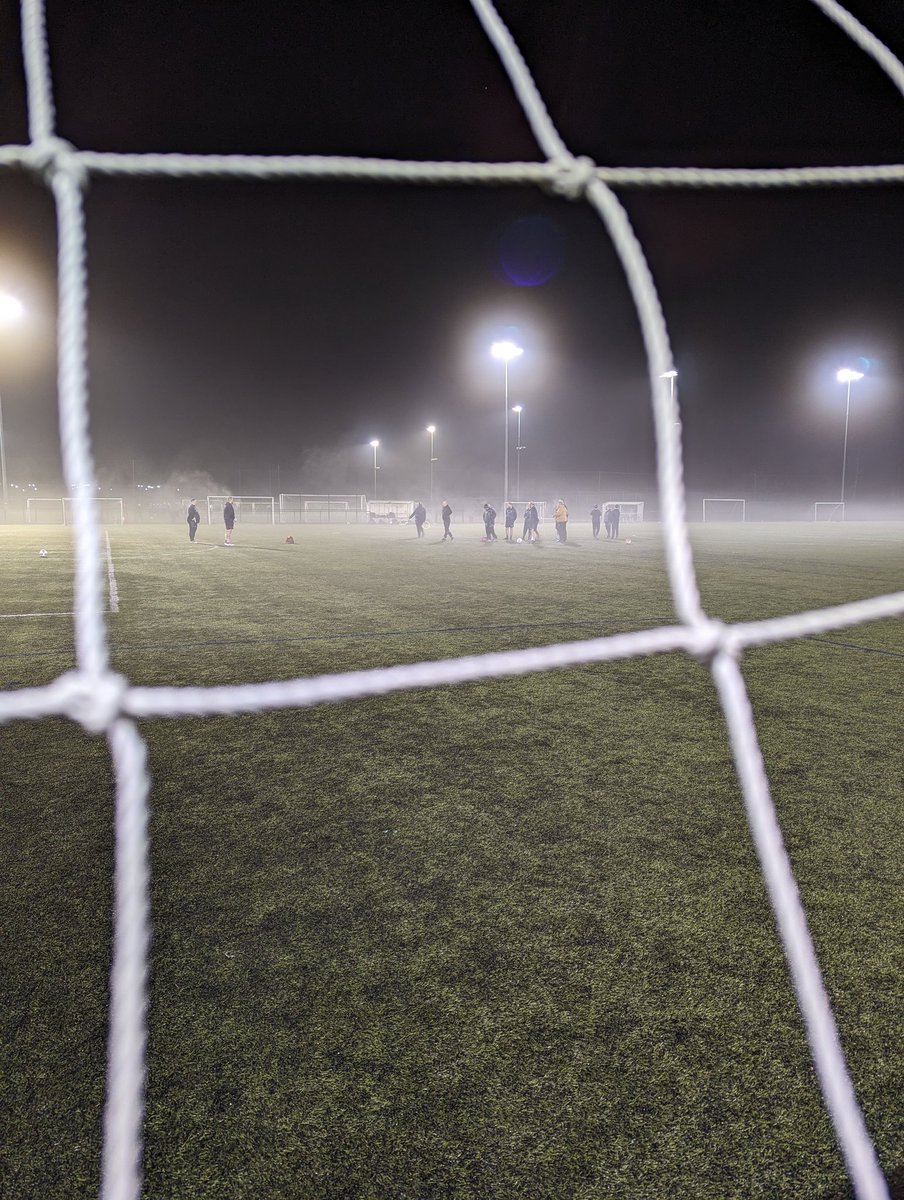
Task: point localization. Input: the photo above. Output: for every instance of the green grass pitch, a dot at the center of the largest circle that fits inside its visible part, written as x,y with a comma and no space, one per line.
505,940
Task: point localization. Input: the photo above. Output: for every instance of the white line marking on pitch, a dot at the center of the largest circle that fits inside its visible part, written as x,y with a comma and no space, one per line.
12,616
111,577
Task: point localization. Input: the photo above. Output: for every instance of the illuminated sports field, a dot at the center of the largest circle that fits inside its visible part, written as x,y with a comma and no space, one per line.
502,940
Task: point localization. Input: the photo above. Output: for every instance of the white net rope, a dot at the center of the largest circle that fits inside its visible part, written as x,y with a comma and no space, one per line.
105,703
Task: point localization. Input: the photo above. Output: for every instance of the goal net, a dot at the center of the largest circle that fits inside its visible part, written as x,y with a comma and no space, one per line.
631,510
104,702
389,512
107,510
828,510
720,509
301,508
249,510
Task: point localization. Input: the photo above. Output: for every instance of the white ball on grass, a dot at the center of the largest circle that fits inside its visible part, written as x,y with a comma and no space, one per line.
42,553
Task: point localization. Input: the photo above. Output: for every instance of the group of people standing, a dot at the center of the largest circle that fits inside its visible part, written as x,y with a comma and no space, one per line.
531,531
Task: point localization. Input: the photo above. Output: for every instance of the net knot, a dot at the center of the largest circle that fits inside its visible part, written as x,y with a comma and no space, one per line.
94,701
711,637
572,176
53,156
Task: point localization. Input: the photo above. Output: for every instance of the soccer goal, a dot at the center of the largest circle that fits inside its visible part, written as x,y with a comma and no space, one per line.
828,510
108,510
389,512
719,509
45,511
257,510
631,510
342,509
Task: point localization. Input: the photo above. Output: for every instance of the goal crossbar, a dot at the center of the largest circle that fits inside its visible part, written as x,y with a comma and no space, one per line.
739,510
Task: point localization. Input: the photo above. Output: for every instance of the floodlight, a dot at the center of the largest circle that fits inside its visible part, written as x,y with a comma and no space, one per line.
375,442
846,375
431,429
517,408
668,375
505,351
11,309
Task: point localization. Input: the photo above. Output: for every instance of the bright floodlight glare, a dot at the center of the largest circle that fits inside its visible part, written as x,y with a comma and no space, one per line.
505,351
669,375
431,429
518,408
11,309
846,375
375,442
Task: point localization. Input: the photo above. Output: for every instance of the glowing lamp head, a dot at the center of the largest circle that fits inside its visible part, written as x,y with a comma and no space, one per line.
505,351
846,375
375,442
518,408
669,375
11,309
431,429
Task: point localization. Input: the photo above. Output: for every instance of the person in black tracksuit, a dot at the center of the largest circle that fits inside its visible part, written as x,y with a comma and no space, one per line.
616,518
511,515
420,516
489,523
595,516
194,520
228,521
447,518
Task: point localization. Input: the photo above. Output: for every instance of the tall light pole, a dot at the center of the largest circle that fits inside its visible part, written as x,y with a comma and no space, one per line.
506,351
375,443
11,310
431,429
519,409
846,375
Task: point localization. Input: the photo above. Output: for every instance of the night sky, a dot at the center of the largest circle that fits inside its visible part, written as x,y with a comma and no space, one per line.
244,325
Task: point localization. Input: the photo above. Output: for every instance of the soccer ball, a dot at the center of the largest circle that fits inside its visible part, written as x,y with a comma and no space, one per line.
42,553
520,540
627,541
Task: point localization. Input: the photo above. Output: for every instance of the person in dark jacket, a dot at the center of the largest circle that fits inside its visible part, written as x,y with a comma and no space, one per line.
419,516
595,516
228,520
607,520
447,520
194,520
511,515
616,518
489,523
532,516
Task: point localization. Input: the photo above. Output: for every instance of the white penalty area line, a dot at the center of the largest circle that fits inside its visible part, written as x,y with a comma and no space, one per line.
111,577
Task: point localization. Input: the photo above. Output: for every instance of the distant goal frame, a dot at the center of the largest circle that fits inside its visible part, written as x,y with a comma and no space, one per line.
837,505
628,510
237,501
320,508
725,500
66,516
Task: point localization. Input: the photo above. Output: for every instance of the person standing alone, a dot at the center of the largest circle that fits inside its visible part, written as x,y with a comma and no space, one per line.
595,516
511,515
616,518
447,520
228,520
419,516
489,523
194,520
560,516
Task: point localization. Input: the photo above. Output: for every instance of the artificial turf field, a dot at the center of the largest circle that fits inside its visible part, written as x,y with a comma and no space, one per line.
502,940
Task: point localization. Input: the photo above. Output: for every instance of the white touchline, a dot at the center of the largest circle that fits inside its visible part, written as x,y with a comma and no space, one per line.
111,576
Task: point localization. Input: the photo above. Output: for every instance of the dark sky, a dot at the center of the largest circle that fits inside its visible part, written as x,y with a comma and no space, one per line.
248,324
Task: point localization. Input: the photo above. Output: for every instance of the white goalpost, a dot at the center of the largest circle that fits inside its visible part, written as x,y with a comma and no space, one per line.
41,510
59,510
326,508
828,510
390,512
258,510
108,704
631,510
718,508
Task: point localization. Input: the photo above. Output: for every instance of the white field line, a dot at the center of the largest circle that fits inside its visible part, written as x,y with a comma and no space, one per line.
15,616
111,577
